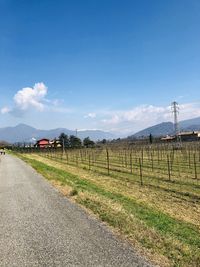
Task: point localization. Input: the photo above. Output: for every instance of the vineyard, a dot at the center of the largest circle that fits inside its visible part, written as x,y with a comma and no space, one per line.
145,165
149,193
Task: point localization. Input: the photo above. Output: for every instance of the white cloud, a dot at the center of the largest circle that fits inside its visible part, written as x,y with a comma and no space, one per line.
142,113
144,116
189,111
34,98
91,115
5,110
31,97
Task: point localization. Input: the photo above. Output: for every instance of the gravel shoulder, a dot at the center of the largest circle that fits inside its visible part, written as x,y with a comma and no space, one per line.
40,227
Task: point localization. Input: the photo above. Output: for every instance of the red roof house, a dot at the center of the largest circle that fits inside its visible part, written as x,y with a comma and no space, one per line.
42,143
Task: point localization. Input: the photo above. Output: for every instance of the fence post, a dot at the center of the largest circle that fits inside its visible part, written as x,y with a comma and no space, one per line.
152,167
77,155
141,178
108,161
168,166
89,161
131,162
195,167
67,156
189,160
142,155
125,157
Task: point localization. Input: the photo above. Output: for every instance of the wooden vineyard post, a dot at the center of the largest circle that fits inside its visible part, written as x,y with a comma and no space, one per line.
67,156
122,160
141,178
142,155
179,174
89,161
131,162
168,166
81,157
152,167
195,167
93,159
125,157
189,160
77,155
108,161
171,160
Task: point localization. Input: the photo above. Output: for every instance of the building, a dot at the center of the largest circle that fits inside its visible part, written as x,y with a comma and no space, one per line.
168,138
183,136
55,143
189,136
43,143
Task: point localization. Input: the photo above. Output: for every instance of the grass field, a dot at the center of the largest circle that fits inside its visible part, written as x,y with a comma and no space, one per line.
160,216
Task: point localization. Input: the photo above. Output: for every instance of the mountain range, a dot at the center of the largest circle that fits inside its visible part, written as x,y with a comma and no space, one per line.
26,133
167,128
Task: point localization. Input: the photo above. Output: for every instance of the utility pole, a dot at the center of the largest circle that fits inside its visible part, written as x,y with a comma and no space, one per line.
76,132
175,111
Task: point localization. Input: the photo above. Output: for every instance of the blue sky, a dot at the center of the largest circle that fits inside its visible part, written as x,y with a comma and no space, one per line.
98,64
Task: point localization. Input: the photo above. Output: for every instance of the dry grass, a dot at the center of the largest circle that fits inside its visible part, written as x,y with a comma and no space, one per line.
64,189
133,234
176,206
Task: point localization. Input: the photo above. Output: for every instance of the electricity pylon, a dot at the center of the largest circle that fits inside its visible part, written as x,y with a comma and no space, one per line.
175,111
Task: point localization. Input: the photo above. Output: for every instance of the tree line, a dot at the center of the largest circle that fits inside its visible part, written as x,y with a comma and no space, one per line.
73,141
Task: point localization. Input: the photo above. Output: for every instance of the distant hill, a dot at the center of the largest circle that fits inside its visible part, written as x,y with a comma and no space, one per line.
26,133
156,130
165,128
192,124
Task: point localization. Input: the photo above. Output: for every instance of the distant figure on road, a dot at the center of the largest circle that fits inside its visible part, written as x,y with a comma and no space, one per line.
2,151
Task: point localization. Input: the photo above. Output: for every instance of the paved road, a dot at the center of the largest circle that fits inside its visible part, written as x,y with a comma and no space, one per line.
40,227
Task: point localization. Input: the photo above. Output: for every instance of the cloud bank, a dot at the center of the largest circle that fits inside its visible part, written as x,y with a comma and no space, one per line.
124,121
143,116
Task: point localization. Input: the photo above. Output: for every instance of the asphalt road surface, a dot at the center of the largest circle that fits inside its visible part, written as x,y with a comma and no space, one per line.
40,227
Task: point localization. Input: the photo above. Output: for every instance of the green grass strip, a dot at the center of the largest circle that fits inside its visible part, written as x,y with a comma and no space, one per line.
166,225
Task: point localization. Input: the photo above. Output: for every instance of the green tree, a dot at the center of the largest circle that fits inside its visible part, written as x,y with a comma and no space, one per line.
75,142
64,139
88,143
150,138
